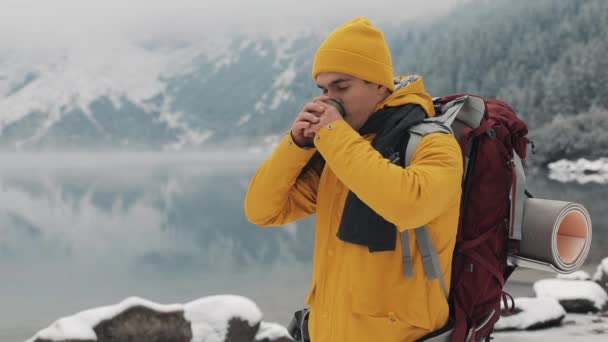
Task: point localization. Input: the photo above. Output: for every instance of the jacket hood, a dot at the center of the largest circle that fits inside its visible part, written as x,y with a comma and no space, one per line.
409,90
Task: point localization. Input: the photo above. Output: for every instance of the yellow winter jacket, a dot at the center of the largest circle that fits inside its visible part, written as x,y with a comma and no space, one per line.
356,295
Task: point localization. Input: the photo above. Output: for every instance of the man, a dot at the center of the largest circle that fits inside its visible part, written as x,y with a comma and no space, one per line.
362,197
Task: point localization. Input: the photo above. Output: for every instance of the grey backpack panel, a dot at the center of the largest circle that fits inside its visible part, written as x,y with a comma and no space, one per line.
466,111
455,116
463,112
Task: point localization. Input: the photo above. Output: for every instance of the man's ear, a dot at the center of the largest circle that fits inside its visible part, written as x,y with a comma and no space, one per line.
382,90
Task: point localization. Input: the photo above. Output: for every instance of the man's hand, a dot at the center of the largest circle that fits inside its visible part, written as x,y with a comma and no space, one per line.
328,115
309,116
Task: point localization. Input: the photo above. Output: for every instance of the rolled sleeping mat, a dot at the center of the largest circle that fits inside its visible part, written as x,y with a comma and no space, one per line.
556,236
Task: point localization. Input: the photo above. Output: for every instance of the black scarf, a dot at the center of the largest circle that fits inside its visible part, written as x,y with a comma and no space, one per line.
360,224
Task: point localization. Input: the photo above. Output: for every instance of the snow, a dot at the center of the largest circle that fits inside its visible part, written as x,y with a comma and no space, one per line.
582,171
255,45
271,331
534,310
602,270
72,77
575,327
188,136
578,275
284,43
286,78
244,119
224,62
209,318
259,105
279,92
280,96
75,77
572,290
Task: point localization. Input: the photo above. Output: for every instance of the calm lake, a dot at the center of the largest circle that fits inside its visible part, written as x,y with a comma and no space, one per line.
78,232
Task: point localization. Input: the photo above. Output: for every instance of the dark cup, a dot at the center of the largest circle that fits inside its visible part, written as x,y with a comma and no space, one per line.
337,105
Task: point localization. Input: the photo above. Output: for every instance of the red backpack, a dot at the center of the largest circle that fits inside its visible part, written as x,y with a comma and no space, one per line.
493,141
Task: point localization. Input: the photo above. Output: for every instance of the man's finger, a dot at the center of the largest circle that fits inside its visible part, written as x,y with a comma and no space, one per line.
321,98
322,104
313,128
301,125
310,132
307,116
313,107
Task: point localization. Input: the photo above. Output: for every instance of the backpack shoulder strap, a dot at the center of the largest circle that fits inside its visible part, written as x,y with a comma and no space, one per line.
419,131
430,258
469,110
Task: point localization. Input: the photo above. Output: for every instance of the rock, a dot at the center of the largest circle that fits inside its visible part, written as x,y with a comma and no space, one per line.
576,296
240,330
216,318
532,313
601,274
578,305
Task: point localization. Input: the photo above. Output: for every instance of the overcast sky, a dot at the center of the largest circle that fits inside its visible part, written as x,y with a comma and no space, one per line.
37,23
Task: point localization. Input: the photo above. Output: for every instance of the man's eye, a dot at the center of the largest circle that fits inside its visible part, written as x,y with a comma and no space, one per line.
342,88
324,91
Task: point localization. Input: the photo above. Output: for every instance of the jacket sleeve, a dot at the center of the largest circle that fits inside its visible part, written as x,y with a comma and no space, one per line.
407,197
279,192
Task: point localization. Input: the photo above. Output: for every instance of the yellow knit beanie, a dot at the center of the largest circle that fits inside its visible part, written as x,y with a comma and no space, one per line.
356,48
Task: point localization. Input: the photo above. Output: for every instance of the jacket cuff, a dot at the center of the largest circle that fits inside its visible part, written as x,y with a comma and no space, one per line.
332,134
292,151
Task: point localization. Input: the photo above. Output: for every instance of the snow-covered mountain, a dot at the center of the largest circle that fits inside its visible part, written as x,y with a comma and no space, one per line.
175,91
153,95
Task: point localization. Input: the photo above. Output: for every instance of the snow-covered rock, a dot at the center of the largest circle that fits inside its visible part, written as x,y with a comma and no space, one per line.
580,165
574,328
578,275
582,171
601,274
532,313
211,319
577,296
